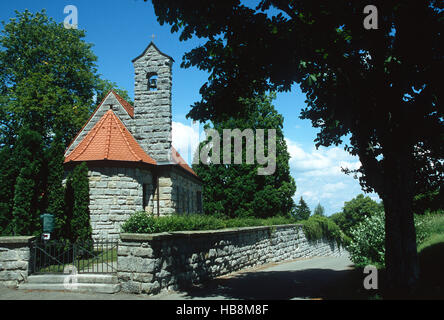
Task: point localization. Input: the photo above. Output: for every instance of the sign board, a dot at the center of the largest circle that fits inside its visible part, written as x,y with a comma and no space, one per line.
46,236
47,222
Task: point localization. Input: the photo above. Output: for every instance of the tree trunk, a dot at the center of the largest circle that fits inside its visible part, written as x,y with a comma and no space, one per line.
401,258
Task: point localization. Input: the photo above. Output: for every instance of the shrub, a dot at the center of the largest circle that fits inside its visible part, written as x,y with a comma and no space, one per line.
428,224
317,227
367,246
141,222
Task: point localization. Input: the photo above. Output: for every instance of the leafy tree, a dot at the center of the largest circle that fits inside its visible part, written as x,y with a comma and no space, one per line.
355,211
104,86
236,190
48,81
49,76
367,244
302,211
429,201
379,88
319,210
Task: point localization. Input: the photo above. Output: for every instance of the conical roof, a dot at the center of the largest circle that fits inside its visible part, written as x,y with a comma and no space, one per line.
109,139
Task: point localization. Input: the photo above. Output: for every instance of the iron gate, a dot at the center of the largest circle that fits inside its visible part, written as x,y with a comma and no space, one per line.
56,256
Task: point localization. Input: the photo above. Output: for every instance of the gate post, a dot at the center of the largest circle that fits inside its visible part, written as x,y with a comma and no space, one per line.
14,260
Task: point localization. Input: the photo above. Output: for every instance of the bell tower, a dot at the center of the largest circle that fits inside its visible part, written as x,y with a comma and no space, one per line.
152,103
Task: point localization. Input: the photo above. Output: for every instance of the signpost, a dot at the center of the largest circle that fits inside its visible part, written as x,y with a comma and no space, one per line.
47,220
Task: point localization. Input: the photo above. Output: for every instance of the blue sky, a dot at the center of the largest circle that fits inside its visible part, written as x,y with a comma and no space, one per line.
121,29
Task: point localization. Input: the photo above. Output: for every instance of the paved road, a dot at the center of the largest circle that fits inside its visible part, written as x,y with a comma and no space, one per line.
315,278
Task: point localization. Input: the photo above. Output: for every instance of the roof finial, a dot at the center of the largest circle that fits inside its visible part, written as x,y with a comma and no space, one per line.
153,36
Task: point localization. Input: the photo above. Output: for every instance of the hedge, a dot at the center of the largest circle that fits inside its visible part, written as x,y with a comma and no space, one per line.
315,227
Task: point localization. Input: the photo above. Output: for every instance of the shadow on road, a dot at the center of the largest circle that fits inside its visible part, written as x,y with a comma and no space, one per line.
283,285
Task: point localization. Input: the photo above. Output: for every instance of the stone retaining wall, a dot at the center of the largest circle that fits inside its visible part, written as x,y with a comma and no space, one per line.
151,263
14,260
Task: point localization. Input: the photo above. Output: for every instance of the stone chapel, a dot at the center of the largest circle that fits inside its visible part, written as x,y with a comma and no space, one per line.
132,165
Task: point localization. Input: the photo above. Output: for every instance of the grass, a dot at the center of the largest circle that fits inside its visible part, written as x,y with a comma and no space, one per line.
431,256
427,226
430,241
430,247
83,264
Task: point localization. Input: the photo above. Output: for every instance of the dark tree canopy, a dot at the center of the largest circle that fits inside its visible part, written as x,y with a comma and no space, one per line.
355,211
237,190
381,88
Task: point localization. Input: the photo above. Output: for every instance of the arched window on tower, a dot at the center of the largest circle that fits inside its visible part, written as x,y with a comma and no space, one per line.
152,81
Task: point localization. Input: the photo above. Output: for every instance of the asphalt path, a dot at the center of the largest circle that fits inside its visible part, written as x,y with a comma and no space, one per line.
314,278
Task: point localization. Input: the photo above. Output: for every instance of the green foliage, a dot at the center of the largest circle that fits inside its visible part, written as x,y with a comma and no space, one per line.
8,176
430,239
141,222
56,191
355,211
368,236
379,88
367,246
317,227
319,210
27,190
236,190
429,226
104,86
48,80
80,226
48,73
301,211
429,201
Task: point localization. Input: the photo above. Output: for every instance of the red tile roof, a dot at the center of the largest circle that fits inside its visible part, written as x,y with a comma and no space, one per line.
129,108
109,139
180,161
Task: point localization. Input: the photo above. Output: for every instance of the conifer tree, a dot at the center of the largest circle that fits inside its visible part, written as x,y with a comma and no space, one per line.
8,175
80,223
319,210
27,189
237,190
56,191
302,211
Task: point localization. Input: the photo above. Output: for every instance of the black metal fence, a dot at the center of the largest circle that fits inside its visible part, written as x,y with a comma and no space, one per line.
82,257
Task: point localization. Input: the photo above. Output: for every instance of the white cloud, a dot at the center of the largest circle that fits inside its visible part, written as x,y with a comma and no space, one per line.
185,139
320,162
319,178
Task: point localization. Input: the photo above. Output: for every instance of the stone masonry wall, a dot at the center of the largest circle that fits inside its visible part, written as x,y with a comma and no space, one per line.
152,123
115,194
14,260
184,193
177,193
170,261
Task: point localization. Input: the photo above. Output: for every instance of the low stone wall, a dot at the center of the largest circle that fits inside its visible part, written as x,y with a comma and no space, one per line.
149,263
14,260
